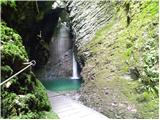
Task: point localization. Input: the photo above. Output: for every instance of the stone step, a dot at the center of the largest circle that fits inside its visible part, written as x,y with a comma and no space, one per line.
66,108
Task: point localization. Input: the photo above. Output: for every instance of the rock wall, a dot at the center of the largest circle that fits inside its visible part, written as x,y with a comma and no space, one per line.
59,64
87,17
115,41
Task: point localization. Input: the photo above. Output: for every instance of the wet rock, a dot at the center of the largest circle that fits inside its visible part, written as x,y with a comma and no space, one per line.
87,17
102,54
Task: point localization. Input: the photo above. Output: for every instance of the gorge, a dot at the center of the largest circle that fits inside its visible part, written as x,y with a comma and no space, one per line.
106,51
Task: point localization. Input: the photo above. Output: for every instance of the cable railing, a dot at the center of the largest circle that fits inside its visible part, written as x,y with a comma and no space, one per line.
31,63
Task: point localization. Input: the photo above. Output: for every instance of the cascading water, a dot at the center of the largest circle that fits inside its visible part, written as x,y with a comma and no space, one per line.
60,44
75,69
61,71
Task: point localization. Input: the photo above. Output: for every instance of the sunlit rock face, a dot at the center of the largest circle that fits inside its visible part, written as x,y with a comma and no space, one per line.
87,17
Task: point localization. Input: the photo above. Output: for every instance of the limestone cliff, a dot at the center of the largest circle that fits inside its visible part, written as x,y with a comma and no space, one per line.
117,47
115,43
87,17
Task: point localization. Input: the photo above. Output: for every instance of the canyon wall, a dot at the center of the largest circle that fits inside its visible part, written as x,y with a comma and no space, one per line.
87,17
117,47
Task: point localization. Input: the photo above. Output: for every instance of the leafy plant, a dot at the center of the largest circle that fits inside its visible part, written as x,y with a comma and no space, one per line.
142,43
11,3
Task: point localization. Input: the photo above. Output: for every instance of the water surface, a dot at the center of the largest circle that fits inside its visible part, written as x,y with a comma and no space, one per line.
62,84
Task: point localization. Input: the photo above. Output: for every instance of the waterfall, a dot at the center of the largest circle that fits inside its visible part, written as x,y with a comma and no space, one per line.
75,69
61,43
61,62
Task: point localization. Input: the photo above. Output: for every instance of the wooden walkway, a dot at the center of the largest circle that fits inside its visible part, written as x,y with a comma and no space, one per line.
69,109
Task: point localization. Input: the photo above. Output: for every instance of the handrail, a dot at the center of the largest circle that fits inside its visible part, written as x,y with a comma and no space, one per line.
31,63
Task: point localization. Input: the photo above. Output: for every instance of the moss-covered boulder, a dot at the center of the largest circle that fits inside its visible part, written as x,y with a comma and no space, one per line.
23,96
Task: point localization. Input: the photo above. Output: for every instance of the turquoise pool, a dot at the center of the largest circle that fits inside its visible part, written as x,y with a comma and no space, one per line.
62,84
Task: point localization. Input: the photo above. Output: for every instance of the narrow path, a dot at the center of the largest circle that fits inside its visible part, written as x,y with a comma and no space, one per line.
66,108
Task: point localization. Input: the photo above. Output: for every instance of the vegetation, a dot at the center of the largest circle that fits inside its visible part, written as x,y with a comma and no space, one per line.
121,71
142,43
11,3
23,96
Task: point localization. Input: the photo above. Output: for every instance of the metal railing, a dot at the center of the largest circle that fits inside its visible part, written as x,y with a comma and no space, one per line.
31,63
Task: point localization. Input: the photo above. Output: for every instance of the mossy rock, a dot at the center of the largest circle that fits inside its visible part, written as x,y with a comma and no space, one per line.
117,51
23,96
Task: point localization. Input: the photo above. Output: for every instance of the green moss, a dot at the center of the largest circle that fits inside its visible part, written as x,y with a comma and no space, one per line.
116,49
6,108
41,96
6,71
11,3
40,115
23,96
149,110
49,115
10,50
10,35
142,36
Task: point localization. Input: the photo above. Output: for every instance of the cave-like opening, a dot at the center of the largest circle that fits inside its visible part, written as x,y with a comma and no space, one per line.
61,71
